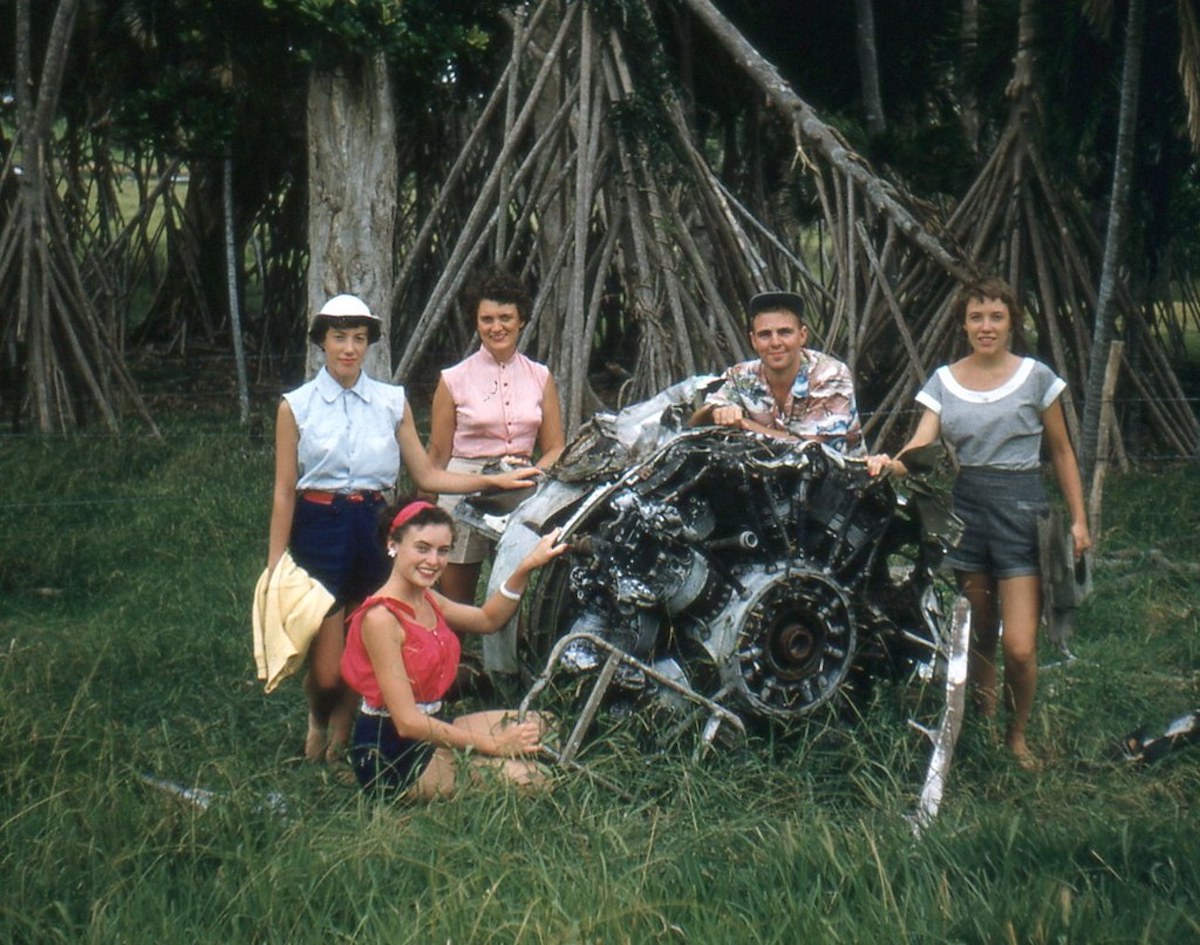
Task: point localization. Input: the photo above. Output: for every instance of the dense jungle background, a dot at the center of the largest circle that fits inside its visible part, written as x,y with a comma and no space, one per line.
183,183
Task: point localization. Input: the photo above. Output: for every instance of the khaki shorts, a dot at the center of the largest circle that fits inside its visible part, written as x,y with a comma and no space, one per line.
469,546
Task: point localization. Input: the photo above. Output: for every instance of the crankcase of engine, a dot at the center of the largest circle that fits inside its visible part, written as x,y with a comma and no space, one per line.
785,643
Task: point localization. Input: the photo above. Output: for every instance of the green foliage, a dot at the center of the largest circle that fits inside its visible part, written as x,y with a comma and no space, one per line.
641,116
422,38
126,566
189,76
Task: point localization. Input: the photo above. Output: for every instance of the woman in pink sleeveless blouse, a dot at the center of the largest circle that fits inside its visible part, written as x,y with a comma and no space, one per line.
495,404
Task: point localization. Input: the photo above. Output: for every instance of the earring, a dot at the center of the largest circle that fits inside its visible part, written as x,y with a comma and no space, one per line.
391,552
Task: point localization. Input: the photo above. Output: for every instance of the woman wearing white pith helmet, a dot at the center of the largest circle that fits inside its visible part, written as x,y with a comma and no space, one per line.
340,440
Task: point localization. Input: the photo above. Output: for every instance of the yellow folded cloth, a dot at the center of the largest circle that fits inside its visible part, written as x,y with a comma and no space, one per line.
289,606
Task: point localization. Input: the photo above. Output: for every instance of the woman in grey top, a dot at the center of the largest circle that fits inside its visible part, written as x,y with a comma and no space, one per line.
994,408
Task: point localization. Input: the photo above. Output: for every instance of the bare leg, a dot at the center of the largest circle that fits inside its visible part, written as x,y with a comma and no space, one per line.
459,582
1021,601
326,692
980,591
439,779
341,723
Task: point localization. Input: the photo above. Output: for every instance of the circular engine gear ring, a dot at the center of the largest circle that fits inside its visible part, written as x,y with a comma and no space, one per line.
795,645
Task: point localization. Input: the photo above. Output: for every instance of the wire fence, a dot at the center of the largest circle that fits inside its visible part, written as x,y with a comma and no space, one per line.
195,400
194,421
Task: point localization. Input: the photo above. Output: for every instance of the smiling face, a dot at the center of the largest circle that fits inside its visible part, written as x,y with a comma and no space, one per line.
988,325
345,350
499,325
778,338
421,553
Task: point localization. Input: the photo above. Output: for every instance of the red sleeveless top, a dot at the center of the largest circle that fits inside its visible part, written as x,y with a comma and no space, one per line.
430,656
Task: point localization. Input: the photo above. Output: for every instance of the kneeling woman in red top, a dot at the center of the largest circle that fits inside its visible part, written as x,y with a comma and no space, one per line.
402,655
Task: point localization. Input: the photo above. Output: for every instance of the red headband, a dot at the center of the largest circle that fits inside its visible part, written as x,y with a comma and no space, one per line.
410,510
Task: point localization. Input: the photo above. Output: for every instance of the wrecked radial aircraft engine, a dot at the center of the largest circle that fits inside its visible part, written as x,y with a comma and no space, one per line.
766,576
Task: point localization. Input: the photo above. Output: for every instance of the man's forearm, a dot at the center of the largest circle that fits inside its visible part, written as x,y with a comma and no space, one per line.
702,417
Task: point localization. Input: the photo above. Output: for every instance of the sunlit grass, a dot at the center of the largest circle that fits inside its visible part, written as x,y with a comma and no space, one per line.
126,566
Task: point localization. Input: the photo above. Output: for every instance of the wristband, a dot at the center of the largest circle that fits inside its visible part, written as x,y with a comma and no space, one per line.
507,594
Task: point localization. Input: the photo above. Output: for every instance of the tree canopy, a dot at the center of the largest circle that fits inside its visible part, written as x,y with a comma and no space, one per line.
641,172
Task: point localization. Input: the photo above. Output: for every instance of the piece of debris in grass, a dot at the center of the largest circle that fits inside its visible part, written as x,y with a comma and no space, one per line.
203,798
1140,748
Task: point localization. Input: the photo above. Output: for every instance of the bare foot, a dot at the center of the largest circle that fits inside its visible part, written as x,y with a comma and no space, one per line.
1026,760
315,742
340,769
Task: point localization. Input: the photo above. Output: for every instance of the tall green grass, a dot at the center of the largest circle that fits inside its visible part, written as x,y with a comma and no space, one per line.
126,566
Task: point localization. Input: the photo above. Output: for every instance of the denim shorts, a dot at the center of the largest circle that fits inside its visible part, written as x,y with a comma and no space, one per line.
384,762
1000,509
337,544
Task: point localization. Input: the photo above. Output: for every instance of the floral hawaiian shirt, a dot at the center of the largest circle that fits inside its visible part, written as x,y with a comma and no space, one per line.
820,406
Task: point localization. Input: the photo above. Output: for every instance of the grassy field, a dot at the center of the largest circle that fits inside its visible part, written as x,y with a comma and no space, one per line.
126,568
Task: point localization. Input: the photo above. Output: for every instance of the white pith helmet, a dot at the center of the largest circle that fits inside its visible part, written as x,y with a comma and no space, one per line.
341,310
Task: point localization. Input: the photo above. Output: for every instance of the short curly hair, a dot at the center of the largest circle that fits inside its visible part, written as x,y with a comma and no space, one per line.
496,285
992,287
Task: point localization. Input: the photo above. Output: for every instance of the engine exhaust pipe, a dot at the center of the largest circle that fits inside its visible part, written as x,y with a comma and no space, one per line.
745,540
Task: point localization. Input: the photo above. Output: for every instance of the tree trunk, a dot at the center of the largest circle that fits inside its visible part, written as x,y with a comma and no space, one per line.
352,180
968,51
1118,213
868,65
189,297
64,358
232,268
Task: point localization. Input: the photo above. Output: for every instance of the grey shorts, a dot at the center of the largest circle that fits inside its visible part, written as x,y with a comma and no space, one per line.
1000,509
469,546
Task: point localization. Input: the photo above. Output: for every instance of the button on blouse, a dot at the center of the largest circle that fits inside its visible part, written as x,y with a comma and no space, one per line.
498,405
347,435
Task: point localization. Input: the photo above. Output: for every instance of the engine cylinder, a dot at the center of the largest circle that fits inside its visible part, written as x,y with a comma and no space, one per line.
788,642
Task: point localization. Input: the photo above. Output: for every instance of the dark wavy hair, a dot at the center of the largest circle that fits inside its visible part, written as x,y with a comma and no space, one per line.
993,287
498,285
430,516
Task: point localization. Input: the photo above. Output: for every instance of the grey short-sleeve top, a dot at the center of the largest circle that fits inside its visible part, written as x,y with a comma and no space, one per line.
1000,428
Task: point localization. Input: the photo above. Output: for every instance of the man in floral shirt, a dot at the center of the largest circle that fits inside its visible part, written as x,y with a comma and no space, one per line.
789,391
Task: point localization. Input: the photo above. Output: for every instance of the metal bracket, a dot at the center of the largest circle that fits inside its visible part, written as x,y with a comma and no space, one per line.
716,714
945,736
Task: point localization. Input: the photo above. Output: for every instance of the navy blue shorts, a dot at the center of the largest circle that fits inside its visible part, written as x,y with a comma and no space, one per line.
1000,509
384,762
337,544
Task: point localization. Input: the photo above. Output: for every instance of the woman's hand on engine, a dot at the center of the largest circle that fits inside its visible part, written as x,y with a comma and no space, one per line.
879,465
517,478
547,548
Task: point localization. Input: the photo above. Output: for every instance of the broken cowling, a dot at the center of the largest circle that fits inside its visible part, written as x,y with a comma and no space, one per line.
757,570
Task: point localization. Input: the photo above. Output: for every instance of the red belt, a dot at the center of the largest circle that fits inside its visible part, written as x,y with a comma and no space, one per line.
328,498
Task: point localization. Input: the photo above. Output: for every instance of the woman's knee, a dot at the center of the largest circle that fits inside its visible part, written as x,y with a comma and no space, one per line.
325,656
1020,650
440,776
325,675
524,773
981,593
